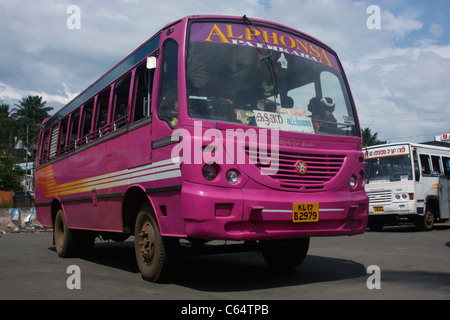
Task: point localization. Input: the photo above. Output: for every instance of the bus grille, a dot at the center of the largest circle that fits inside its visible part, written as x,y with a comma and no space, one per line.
321,168
379,196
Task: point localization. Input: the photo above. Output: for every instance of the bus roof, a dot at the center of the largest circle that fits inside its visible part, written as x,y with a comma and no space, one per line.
146,49
427,145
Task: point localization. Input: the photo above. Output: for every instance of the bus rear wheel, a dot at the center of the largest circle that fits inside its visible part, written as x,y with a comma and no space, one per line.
285,254
154,253
63,237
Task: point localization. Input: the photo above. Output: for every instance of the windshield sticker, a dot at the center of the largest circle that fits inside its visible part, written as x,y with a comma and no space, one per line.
262,38
283,121
283,62
390,151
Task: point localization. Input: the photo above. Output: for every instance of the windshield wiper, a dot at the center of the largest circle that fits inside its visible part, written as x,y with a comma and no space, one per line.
268,57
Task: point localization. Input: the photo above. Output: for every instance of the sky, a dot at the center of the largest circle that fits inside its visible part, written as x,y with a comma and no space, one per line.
395,53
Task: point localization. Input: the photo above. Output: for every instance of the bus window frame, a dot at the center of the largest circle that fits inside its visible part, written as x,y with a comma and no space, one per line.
87,137
162,83
147,113
424,172
61,148
74,144
439,159
98,130
123,80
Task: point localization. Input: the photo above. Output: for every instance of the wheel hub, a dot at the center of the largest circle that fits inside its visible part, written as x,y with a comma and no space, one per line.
147,242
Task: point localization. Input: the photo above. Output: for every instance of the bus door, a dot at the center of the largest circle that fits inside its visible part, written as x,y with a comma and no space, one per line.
165,113
444,190
165,191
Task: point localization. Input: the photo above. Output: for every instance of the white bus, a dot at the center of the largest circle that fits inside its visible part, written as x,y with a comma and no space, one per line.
407,181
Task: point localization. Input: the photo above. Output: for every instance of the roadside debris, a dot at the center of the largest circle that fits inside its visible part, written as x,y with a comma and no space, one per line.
19,220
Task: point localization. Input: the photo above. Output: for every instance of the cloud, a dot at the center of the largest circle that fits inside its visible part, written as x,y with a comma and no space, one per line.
57,100
436,29
397,74
400,25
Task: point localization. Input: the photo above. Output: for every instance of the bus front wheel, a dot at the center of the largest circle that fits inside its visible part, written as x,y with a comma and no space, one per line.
154,253
285,254
425,222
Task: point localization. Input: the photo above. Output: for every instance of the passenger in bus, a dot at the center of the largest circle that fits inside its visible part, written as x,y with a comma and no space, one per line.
328,105
316,112
322,113
168,108
288,103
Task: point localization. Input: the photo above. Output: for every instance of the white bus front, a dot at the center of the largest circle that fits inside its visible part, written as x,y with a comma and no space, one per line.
390,184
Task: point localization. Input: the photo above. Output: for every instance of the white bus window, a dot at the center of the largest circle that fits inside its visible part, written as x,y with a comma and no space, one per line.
446,162
425,163
436,161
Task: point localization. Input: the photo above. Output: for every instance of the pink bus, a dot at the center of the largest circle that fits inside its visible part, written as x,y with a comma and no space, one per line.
216,128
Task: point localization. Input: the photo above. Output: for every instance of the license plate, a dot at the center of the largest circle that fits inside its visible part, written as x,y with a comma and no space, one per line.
305,212
378,209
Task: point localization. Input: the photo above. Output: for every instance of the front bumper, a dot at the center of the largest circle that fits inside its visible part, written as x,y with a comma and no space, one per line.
214,213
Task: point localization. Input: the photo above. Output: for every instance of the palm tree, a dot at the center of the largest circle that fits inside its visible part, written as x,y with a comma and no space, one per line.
31,107
4,110
370,139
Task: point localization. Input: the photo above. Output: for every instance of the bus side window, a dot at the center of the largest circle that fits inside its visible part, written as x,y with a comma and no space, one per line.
87,121
44,147
102,112
121,96
74,123
168,91
436,161
63,136
143,89
416,166
425,163
446,162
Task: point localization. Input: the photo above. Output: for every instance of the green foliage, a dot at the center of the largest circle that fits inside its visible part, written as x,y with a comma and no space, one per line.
370,139
29,113
10,175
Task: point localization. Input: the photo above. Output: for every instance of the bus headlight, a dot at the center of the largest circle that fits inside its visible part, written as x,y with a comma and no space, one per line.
232,176
361,178
352,181
209,172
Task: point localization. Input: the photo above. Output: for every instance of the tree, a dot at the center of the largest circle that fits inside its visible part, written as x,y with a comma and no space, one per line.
31,107
370,139
4,110
10,174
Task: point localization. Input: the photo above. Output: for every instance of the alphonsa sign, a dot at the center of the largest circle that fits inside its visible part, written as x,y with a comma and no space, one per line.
261,38
389,151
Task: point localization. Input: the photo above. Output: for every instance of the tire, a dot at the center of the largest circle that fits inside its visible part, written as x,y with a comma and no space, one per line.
155,255
285,254
63,237
425,222
375,224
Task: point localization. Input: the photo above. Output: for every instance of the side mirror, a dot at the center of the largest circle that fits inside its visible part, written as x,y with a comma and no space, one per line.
151,63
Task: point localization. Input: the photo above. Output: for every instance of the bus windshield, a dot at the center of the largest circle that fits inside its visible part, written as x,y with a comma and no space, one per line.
397,168
268,78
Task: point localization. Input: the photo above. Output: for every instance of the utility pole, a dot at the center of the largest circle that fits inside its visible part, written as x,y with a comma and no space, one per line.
26,165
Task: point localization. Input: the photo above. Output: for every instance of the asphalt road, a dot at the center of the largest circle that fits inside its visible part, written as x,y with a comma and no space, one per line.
410,264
